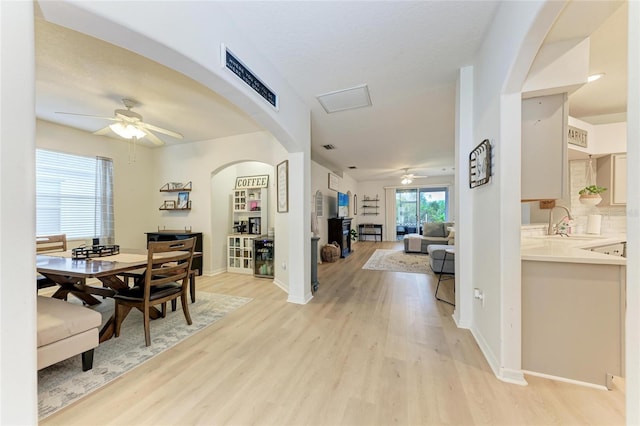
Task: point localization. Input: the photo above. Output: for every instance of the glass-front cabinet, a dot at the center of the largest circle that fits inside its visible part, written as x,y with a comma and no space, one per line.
240,254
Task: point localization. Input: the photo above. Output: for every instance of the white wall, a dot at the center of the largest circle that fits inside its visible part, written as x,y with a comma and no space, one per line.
320,182
632,349
500,69
200,163
18,381
135,192
222,216
602,138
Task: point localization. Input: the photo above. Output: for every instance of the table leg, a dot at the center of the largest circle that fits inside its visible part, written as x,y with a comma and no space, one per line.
444,259
71,285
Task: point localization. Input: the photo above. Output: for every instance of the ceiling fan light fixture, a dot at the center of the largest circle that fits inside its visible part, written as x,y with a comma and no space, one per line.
406,181
127,131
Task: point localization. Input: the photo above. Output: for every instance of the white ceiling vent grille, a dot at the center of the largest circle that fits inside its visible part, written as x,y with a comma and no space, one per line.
345,99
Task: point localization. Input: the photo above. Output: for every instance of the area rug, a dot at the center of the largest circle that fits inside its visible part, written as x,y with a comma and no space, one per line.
398,261
65,382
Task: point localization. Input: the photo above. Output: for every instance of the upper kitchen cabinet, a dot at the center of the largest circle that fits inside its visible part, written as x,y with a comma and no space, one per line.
544,147
612,174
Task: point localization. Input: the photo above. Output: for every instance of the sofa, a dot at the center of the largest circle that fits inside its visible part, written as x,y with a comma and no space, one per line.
437,257
64,330
433,233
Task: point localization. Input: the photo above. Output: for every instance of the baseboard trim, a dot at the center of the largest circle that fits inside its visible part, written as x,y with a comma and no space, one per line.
281,285
565,380
506,375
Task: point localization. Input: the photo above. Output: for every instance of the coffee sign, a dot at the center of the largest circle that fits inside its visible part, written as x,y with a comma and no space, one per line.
261,181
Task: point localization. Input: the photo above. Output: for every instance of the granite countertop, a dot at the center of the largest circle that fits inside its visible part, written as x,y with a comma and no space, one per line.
572,249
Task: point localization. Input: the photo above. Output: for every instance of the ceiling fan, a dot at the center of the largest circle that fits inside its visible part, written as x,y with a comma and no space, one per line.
129,125
407,177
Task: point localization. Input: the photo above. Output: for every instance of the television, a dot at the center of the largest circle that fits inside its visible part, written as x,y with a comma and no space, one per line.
343,204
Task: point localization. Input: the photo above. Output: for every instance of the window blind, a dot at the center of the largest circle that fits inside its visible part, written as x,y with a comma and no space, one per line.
70,195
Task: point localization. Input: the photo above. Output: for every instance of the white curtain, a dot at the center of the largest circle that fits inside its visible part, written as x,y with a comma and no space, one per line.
390,214
104,201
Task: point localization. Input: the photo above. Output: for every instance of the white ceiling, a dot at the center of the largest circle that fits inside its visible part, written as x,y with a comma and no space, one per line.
408,54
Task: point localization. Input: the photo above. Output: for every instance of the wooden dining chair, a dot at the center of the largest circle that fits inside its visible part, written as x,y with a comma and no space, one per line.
49,244
166,278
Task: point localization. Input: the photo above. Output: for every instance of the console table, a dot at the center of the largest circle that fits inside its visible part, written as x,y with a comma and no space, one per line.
168,235
370,229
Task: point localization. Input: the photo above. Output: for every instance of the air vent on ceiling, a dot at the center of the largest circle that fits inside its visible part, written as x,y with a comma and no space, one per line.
352,167
345,99
329,146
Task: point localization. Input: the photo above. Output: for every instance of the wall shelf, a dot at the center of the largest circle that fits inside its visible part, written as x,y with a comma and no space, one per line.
176,187
182,203
370,206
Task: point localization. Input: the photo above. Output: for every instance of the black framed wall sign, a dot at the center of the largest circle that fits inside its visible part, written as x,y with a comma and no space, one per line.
480,164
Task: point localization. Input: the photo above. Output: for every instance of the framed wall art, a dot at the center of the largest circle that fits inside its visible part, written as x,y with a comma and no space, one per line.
480,164
334,182
282,173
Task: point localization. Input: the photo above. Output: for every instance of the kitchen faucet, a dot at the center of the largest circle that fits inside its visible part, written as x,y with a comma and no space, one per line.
550,230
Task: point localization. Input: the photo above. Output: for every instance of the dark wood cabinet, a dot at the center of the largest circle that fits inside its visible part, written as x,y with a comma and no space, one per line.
340,232
180,235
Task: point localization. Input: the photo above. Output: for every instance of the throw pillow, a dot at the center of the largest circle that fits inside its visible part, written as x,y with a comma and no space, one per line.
433,229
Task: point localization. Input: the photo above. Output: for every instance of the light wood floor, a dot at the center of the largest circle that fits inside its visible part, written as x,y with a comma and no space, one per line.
371,348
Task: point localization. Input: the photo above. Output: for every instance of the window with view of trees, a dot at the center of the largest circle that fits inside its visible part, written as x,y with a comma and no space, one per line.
417,205
74,196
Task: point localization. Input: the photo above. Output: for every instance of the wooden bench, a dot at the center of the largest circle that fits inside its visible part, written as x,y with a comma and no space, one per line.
65,330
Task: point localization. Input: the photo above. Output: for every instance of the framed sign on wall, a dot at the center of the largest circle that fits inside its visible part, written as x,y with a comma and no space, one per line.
282,172
334,182
480,164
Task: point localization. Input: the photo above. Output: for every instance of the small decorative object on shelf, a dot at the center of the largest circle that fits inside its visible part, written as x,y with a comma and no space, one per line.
94,251
176,187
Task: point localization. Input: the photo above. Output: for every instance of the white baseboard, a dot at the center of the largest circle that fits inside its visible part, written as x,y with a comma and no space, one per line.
504,374
282,285
215,272
565,380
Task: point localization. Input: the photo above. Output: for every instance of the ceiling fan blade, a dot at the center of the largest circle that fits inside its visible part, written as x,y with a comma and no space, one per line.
88,115
160,130
153,138
102,131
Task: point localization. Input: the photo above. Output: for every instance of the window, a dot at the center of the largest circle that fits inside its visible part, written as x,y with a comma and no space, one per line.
418,205
74,196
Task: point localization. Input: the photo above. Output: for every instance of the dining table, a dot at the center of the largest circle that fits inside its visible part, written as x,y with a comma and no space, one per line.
71,274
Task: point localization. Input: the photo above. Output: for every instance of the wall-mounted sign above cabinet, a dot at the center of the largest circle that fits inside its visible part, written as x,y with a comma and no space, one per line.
261,181
577,137
231,62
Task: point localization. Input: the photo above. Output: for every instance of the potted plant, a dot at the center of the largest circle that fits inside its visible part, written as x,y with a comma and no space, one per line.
591,194
354,234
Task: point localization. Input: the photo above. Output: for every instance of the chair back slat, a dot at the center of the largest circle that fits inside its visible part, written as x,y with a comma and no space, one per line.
51,243
173,264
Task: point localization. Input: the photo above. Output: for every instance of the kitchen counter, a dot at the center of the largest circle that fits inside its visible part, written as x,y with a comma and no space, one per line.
573,308
572,249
